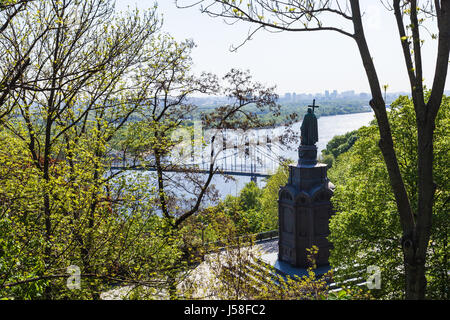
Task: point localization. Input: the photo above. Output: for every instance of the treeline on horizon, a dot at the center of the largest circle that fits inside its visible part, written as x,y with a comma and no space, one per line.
290,112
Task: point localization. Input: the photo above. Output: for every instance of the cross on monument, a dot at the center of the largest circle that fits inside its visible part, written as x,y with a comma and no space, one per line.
313,105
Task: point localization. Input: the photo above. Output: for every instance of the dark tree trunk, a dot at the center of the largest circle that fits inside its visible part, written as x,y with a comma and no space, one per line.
416,228
415,233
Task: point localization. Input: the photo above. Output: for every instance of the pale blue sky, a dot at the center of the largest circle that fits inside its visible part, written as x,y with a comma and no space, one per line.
294,62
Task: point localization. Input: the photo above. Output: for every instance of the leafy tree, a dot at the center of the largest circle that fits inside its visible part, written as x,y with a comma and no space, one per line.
164,116
338,145
255,209
61,205
365,230
249,196
269,197
345,18
163,119
162,132
92,81
12,70
244,210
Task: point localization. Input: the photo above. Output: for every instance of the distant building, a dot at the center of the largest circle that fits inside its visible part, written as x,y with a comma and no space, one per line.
364,95
334,94
302,96
348,94
318,95
330,95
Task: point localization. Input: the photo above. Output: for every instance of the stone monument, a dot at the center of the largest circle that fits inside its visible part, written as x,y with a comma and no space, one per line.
304,206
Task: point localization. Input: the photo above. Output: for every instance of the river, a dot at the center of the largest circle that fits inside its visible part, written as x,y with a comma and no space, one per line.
328,127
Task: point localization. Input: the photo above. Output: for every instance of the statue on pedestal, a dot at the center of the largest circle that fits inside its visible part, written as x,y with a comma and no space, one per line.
309,132
307,151
304,206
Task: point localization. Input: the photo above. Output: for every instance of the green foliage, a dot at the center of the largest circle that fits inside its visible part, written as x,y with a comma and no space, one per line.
60,204
245,209
103,88
338,145
365,230
249,197
255,209
269,197
123,218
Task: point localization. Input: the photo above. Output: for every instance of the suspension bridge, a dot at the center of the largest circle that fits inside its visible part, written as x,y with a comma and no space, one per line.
257,156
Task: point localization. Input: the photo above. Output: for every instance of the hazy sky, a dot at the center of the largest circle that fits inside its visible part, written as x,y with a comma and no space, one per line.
308,62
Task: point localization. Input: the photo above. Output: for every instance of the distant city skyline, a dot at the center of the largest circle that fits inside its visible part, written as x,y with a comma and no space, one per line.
332,95
308,62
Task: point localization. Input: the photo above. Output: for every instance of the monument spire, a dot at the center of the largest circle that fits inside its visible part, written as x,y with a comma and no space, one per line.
307,151
304,206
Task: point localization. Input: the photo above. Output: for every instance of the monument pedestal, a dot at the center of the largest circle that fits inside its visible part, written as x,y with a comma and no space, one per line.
307,156
304,211
286,269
